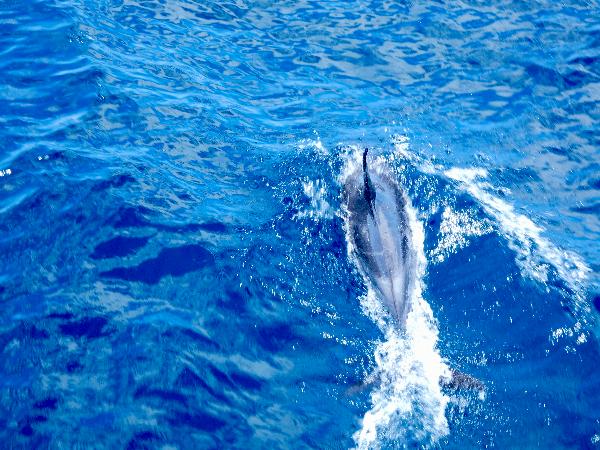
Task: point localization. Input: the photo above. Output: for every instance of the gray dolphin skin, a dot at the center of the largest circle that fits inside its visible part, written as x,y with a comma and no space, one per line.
381,237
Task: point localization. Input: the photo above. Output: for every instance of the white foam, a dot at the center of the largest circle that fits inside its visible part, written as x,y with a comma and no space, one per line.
535,253
407,404
401,145
456,229
316,191
313,144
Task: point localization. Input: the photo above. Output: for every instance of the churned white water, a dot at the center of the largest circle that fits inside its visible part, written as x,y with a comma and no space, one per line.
456,230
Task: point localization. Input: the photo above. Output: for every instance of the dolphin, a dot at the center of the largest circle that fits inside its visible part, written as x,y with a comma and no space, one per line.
381,239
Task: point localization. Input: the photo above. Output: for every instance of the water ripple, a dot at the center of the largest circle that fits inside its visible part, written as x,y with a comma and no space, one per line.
173,266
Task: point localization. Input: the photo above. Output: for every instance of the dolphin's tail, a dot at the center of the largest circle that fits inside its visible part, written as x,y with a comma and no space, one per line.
462,381
369,190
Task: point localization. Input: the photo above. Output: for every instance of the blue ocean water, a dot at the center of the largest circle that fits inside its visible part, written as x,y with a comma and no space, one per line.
174,269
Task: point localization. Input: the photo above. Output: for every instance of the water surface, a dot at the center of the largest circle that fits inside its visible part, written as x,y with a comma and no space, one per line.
173,263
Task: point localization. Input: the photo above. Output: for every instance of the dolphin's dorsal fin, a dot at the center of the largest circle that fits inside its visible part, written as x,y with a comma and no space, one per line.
369,189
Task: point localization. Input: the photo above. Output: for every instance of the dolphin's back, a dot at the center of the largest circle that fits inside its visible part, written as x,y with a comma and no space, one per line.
381,237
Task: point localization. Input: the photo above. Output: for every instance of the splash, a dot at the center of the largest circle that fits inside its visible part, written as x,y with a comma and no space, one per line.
407,404
319,208
313,145
535,254
456,228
